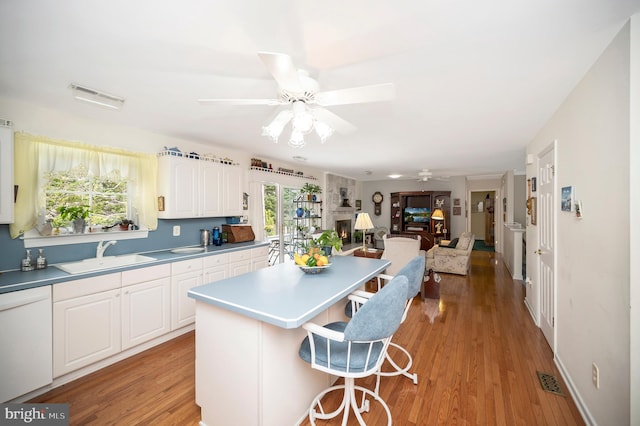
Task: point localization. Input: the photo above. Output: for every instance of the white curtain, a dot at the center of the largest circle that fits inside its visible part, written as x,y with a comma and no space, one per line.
36,156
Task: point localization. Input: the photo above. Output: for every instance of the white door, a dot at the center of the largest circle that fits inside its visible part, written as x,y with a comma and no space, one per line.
546,229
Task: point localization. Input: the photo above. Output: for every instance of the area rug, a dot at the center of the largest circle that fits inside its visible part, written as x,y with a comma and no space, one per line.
480,246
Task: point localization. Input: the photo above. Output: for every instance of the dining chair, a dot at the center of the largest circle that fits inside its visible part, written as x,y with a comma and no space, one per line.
355,349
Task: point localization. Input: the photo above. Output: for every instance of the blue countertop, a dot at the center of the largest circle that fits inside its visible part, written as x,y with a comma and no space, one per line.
17,280
285,296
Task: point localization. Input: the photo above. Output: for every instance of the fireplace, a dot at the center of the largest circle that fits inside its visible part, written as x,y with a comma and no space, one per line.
343,227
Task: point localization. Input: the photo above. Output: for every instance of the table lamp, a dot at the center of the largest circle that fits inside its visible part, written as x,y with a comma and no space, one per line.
438,214
363,222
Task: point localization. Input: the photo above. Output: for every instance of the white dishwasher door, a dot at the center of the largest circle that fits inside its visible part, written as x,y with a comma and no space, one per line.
26,351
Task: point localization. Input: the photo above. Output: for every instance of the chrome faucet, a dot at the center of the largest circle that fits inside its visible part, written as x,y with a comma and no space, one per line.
102,247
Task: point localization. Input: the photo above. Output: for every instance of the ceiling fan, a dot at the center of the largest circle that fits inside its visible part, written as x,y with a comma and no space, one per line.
425,174
298,89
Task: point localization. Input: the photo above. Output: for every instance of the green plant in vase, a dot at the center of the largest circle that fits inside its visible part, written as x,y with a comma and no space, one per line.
310,189
329,239
75,214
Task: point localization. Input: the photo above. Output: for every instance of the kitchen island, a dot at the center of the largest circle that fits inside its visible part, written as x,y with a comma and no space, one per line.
248,332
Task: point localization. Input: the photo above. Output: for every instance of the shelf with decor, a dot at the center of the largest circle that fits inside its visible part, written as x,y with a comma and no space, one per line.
307,220
424,213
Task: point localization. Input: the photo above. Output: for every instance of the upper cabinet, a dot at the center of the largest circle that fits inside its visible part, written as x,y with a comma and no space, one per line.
6,172
190,187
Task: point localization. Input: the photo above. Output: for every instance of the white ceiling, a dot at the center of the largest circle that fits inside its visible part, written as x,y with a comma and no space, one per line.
475,80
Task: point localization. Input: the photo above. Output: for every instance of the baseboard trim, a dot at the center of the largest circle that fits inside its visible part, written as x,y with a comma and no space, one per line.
582,407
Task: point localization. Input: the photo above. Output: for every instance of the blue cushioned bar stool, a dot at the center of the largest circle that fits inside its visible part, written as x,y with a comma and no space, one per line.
355,349
414,272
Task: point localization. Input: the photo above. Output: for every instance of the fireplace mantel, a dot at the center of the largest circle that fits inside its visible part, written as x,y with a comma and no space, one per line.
344,210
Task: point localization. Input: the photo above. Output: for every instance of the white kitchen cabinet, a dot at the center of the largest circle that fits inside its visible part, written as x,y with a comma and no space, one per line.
86,322
259,258
146,305
185,275
232,193
198,188
215,268
6,172
239,262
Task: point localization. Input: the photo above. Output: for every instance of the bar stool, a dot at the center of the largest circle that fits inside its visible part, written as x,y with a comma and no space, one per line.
355,349
414,271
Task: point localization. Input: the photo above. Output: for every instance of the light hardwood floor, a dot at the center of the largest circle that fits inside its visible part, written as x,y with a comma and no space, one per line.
476,363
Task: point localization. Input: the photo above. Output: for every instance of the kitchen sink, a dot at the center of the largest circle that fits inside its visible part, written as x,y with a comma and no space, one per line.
106,262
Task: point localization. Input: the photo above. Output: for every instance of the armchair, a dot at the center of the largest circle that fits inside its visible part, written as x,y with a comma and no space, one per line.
452,260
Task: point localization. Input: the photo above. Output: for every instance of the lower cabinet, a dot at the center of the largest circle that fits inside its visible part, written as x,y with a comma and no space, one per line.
146,304
95,318
98,317
185,275
86,322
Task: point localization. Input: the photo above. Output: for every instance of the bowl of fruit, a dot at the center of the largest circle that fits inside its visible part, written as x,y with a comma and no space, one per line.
311,263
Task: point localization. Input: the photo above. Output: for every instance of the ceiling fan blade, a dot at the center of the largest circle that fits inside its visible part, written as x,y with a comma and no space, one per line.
240,101
336,123
355,95
283,71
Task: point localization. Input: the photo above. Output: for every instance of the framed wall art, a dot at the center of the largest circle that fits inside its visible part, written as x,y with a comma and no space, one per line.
457,210
566,199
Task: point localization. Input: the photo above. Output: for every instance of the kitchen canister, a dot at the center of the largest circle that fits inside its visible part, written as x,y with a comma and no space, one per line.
205,237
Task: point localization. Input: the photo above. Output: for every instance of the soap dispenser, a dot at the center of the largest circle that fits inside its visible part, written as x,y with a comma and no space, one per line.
27,263
41,261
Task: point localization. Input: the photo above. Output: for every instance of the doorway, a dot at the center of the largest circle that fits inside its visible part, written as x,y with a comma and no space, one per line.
546,239
482,217
278,210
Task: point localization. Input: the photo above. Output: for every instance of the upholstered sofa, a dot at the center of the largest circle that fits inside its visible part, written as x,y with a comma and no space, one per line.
453,259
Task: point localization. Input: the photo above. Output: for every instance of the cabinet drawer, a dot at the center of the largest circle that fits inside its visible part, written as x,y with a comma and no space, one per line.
236,256
86,286
259,252
140,275
215,260
186,266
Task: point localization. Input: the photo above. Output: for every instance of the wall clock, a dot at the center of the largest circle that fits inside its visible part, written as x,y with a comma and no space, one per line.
377,201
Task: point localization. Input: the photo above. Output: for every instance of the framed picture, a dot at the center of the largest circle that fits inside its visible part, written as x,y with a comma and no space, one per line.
358,204
534,211
456,201
566,199
534,182
457,210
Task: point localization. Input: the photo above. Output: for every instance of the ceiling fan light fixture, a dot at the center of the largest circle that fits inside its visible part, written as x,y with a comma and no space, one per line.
302,119
297,139
274,129
323,130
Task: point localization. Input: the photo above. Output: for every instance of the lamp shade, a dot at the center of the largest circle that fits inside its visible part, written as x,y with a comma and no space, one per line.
438,214
363,222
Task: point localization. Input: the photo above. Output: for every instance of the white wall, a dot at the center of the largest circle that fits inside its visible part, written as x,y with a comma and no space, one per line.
592,254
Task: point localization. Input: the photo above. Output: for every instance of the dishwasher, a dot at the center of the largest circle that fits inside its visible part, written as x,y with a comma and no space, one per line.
26,350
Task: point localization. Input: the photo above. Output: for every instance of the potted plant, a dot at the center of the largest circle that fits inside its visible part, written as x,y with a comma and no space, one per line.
75,214
311,190
329,239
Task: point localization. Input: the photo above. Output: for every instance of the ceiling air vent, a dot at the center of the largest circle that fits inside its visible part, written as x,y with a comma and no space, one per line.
96,97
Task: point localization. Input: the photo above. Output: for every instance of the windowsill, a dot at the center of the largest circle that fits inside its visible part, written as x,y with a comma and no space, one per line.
33,238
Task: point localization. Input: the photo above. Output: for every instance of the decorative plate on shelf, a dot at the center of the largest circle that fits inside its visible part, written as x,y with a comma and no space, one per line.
314,269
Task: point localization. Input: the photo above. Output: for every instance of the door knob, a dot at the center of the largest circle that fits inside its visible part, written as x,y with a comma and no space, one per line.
539,251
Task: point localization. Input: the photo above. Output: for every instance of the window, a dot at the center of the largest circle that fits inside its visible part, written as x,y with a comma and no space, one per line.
115,184
106,197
